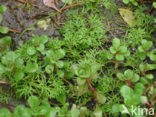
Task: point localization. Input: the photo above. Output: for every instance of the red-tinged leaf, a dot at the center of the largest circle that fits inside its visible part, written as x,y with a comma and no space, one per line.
50,3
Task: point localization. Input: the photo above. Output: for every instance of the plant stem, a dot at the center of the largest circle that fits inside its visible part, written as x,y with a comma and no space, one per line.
149,104
73,5
92,89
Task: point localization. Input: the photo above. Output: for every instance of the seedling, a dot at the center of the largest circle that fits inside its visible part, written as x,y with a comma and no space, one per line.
86,72
128,76
118,50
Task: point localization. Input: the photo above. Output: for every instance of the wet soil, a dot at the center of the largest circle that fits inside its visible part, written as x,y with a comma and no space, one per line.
21,16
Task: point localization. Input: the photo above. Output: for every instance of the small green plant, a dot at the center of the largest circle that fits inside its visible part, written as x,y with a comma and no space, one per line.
143,50
131,97
128,75
86,71
118,50
3,29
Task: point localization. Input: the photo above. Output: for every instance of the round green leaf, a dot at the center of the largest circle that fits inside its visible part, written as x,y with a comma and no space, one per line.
152,56
60,54
83,111
19,75
44,39
133,100
3,29
146,44
151,66
5,112
98,112
116,43
116,108
31,50
135,78
41,48
9,58
49,69
126,91
126,1
144,99
101,98
119,57
128,74
33,101
154,5
141,67
112,50
109,56
75,112
42,110
144,80
52,113
31,67
135,3
139,89
141,49
123,49
19,63
120,76
149,76
60,64
3,8
21,111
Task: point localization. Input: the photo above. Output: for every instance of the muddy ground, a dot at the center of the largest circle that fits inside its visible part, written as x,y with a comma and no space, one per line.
21,16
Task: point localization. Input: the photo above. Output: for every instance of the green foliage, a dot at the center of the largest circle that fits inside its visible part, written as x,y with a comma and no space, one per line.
154,4
143,49
81,37
128,75
136,35
3,29
118,50
130,1
23,68
90,70
38,108
132,97
110,5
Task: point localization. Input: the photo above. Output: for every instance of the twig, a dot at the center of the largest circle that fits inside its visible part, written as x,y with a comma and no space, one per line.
23,1
3,82
13,30
67,81
73,5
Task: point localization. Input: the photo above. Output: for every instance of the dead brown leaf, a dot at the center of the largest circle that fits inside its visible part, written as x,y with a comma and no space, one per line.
51,3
